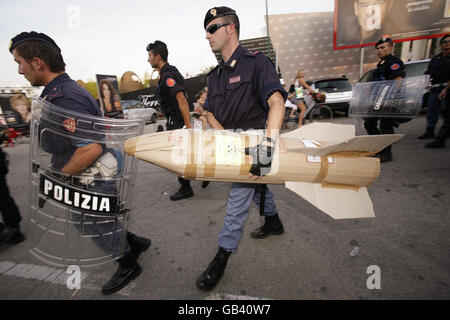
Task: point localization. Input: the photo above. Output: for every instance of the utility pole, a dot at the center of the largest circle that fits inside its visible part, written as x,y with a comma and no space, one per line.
269,50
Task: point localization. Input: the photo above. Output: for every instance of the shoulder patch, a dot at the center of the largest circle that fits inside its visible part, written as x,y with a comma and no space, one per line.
70,125
170,82
55,92
395,66
253,53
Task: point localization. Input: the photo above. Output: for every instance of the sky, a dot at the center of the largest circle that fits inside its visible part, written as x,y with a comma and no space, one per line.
110,37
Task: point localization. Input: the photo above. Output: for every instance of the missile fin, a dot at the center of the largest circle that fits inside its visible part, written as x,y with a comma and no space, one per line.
322,132
337,203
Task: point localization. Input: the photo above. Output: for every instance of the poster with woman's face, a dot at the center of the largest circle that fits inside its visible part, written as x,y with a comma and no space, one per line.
108,95
361,23
14,109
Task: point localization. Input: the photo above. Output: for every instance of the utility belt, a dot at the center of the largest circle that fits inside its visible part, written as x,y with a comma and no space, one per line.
437,85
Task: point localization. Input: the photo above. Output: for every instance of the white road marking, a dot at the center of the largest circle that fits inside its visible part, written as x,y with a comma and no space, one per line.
47,274
226,296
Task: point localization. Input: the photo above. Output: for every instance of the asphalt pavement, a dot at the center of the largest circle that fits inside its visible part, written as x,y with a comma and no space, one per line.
402,253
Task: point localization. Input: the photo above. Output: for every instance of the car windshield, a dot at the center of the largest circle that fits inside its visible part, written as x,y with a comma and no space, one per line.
334,84
416,69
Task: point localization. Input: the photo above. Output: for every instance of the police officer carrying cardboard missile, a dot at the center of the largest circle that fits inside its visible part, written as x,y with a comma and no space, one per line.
174,106
388,68
244,92
41,63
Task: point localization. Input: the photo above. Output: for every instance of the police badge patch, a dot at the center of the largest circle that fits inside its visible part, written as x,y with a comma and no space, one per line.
395,66
70,125
171,82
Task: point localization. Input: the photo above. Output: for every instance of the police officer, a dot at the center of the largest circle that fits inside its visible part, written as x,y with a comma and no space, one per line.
9,230
244,92
444,132
174,106
41,63
388,68
439,71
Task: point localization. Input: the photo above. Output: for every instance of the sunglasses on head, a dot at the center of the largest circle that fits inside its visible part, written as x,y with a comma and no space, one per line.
214,27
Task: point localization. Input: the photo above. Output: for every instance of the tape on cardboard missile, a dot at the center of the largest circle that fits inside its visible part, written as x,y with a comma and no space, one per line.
324,163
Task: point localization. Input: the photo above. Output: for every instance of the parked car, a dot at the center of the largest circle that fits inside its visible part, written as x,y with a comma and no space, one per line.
133,109
412,69
338,92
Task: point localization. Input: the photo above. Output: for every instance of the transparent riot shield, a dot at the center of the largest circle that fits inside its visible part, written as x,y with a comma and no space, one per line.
389,98
79,219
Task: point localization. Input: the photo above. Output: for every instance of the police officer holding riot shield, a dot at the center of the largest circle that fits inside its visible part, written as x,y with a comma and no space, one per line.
444,95
174,106
41,63
10,228
388,68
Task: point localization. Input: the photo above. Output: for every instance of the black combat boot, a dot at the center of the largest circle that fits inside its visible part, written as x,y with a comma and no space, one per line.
137,244
272,225
211,276
437,143
10,235
128,270
183,193
429,134
384,155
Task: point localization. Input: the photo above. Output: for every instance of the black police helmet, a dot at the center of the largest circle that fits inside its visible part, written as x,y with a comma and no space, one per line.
33,35
217,12
383,40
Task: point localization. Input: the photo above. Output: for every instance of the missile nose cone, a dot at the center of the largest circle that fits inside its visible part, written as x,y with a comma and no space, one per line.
130,146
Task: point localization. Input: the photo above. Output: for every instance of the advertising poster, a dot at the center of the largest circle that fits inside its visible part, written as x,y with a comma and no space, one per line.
15,109
109,96
360,23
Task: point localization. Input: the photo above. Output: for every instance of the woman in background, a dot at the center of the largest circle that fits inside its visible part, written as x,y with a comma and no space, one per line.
296,94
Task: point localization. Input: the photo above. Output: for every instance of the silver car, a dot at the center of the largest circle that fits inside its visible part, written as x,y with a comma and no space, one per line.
133,109
338,92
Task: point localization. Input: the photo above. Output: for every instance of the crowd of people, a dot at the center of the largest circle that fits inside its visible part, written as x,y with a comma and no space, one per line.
228,103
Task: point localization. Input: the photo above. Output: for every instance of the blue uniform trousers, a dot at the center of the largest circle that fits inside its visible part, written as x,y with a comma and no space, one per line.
239,202
433,107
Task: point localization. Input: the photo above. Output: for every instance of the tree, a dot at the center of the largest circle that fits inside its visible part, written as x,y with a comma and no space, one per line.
91,86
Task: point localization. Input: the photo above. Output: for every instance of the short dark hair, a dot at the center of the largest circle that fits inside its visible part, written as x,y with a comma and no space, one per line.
159,47
232,18
38,49
444,37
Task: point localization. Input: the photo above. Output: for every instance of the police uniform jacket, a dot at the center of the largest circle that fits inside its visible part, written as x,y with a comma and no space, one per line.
439,71
170,83
239,88
67,94
389,68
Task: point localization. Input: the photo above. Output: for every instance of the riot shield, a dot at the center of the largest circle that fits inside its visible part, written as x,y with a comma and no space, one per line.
80,219
389,98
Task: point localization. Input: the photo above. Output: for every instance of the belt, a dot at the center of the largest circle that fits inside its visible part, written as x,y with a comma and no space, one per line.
437,85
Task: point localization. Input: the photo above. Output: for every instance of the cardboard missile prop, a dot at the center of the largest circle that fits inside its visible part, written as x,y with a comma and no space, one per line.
324,163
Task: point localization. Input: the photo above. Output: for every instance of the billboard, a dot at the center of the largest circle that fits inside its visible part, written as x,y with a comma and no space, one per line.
260,44
305,41
109,96
360,23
